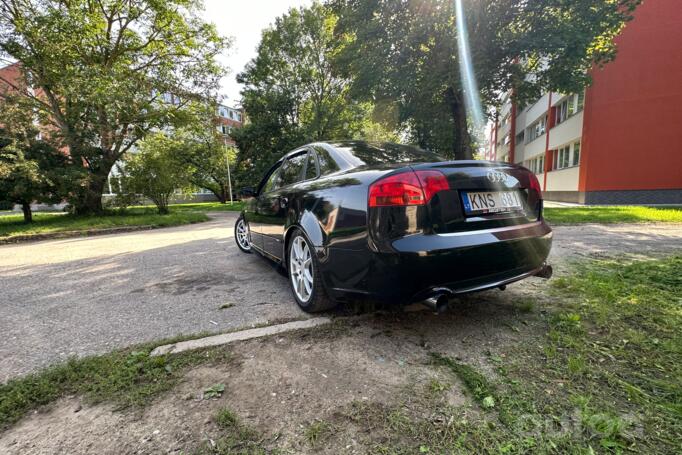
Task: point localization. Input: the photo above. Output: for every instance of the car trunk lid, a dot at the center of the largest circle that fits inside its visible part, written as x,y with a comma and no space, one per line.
482,195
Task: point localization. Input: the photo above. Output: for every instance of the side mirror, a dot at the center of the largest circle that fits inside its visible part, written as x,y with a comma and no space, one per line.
247,192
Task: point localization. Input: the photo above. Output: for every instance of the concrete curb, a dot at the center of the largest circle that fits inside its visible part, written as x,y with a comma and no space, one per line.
226,338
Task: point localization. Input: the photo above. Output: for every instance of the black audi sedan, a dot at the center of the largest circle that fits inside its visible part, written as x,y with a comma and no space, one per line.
356,220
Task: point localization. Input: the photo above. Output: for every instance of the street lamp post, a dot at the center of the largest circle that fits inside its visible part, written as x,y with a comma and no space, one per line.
229,178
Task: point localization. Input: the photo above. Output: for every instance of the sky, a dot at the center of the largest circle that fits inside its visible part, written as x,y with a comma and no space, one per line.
243,20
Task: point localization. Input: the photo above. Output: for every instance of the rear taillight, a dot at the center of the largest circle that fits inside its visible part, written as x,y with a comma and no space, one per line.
406,188
535,185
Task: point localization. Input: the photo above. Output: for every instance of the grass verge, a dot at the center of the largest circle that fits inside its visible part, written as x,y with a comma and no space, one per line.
236,206
52,223
126,378
607,214
602,375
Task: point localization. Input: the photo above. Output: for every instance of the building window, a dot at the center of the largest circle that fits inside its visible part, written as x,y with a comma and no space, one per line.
581,101
562,112
576,154
566,156
570,106
519,137
537,164
536,129
561,157
239,116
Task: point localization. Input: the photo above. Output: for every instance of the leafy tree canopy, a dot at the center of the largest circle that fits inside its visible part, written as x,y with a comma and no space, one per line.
31,169
155,172
105,73
293,94
403,54
204,149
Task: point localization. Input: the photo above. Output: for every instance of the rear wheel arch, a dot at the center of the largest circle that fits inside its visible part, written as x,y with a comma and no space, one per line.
311,229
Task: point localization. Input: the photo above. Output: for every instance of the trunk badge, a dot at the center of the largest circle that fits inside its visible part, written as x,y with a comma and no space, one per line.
496,176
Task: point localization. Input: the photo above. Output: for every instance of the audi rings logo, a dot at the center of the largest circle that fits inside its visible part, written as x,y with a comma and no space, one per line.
496,176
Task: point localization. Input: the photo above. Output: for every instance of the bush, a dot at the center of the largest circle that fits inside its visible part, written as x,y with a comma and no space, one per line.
122,201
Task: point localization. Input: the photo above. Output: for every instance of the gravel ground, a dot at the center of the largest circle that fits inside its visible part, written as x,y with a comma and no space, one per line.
90,295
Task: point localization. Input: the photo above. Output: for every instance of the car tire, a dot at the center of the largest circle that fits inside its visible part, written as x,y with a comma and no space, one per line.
241,235
305,279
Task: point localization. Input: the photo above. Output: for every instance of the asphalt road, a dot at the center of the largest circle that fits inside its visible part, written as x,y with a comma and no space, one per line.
83,296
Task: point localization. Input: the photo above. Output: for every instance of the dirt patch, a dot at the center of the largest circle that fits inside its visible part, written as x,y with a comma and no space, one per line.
282,385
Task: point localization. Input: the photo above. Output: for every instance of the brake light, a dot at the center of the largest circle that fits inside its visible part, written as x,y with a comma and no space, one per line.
535,185
407,188
432,182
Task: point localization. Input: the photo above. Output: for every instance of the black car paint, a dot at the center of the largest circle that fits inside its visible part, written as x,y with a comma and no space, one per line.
401,253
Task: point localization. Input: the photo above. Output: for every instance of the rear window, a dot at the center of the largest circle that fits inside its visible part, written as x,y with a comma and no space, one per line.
360,153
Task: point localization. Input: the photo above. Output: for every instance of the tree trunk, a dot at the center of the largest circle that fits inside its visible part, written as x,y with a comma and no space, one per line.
162,204
461,143
89,201
222,194
28,214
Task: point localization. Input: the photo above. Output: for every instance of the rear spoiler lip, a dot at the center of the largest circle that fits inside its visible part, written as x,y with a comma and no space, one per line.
471,163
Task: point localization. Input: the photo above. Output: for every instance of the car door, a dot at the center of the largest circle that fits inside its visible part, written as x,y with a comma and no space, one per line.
269,184
273,206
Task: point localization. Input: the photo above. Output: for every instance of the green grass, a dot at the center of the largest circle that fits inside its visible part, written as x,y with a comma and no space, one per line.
317,432
476,383
126,378
602,375
236,206
608,214
12,225
235,439
48,223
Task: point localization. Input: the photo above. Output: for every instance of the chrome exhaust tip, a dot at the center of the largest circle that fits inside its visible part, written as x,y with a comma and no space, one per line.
545,272
437,303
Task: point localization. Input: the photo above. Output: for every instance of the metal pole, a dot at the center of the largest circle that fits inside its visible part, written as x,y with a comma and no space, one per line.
229,178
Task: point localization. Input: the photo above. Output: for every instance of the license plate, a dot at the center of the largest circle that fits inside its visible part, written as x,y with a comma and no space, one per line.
491,202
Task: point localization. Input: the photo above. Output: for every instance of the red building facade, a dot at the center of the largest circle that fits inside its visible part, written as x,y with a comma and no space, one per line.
621,141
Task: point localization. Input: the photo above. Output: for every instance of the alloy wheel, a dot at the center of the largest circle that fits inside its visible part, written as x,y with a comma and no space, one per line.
301,268
243,235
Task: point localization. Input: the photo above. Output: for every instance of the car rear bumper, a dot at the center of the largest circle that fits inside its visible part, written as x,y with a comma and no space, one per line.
460,262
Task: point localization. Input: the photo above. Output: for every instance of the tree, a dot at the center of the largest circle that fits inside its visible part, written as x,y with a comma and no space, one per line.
104,74
205,153
292,92
209,167
31,172
155,172
403,54
31,169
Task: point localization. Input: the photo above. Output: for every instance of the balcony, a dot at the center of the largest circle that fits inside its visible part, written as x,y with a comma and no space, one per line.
563,179
536,146
570,130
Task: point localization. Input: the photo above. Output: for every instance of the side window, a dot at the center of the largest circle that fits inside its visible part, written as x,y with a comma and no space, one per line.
311,167
273,181
326,162
292,171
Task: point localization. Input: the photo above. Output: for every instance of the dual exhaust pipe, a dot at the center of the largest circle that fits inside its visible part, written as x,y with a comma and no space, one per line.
438,301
